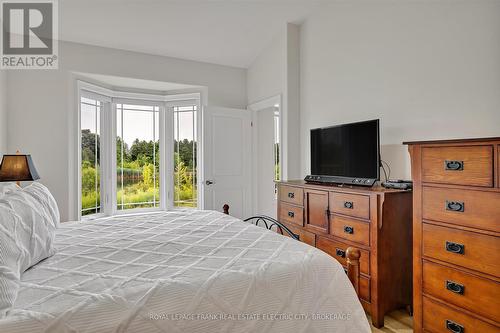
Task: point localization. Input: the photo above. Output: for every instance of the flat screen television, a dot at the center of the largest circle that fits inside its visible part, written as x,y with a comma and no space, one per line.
346,154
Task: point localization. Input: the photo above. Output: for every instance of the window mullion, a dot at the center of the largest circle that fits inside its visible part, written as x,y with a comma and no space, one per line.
166,161
105,160
112,185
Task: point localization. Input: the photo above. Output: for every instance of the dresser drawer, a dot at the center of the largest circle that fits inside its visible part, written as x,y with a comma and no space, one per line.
467,249
338,249
438,318
350,204
293,195
471,165
468,291
291,214
304,236
350,229
469,208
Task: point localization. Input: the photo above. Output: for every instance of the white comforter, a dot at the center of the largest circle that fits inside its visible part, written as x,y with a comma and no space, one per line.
183,271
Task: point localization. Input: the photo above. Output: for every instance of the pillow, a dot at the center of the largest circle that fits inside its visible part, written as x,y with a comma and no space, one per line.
7,187
47,202
11,256
27,230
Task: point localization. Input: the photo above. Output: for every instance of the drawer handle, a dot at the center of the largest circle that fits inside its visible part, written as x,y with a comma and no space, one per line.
453,165
348,229
455,206
340,253
455,287
455,247
454,327
291,195
291,214
348,204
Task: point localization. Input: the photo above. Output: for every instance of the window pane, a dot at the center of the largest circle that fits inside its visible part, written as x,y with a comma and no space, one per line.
185,163
137,156
90,148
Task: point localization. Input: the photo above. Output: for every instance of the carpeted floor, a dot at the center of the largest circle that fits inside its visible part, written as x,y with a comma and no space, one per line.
398,321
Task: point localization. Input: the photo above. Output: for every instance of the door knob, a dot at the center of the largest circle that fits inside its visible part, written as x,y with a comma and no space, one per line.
209,182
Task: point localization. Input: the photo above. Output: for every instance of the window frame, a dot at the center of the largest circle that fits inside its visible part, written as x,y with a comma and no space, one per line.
161,127
105,107
176,102
108,166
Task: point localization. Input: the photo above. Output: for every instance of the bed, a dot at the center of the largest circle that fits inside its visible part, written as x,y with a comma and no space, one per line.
183,271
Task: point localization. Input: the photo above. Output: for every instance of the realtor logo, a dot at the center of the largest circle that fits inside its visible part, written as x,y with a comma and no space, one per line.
29,34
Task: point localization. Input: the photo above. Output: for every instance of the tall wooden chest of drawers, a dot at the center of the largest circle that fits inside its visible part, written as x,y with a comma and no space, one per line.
456,235
375,220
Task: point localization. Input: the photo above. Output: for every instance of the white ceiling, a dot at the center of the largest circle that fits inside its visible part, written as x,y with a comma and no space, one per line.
230,32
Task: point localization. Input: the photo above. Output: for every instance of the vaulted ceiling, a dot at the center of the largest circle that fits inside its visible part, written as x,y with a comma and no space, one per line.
230,32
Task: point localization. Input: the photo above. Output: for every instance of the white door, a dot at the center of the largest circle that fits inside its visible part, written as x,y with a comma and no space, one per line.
226,160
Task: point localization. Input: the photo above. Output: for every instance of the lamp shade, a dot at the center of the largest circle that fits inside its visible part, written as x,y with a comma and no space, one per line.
17,168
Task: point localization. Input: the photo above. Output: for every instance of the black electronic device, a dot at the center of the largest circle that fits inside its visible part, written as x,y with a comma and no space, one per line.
398,184
346,154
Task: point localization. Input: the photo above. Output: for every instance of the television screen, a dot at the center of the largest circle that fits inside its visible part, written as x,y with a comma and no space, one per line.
350,150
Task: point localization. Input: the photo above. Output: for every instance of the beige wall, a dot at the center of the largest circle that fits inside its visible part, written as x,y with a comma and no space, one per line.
276,72
41,103
3,112
428,70
266,75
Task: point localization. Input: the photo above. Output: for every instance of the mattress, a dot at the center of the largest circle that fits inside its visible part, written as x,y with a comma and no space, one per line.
183,271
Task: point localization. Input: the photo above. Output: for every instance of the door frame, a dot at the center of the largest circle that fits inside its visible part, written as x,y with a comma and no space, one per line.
254,108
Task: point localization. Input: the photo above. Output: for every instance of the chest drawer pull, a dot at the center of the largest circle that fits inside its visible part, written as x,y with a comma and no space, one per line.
291,214
454,327
348,229
348,204
340,253
291,195
455,287
455,206
453,165
455,247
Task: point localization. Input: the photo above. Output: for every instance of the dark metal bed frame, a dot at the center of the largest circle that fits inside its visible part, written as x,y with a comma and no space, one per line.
269,222
352,254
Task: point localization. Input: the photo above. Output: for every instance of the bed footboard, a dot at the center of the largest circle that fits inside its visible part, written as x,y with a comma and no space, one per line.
352,255
269,223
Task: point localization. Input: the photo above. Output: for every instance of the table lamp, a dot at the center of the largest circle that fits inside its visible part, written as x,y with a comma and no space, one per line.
17,168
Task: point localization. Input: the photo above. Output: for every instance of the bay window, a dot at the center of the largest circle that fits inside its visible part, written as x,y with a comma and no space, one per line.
137,152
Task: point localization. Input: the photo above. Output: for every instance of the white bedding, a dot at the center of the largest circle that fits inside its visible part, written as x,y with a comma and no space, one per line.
183,271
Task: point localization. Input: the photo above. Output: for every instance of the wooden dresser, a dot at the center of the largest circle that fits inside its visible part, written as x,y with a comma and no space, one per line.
456,235
375,220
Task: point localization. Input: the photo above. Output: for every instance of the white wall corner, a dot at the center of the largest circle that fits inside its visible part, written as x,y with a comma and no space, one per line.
3,112
291,103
